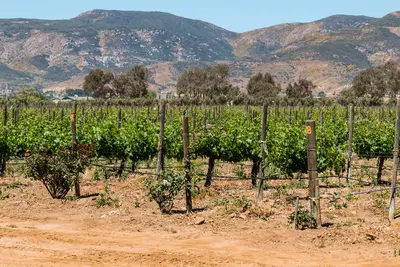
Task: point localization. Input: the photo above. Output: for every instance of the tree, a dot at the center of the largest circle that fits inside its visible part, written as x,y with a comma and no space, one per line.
132,84
375,82
301,89
370,82
321,94
209,82
98,82
262,86
28,95
392,77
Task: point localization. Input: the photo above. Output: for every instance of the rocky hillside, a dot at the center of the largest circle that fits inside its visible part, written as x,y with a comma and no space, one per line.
57,54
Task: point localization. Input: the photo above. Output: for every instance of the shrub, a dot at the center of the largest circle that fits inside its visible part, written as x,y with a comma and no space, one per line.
304,219
58,171
100,174
106,199
164,189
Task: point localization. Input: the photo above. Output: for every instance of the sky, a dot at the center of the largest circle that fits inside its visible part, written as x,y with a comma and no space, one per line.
233,15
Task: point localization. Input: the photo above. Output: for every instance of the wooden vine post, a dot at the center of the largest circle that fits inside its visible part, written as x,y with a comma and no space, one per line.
392,206
83,114
4,156
350,147
119,118
263,148
160,157
313,185
73,147
186,156
194,125
61,117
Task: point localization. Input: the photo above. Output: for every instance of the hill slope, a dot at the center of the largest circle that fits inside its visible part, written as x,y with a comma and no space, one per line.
330,51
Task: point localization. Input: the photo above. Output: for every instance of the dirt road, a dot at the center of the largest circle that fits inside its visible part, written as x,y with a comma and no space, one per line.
36,230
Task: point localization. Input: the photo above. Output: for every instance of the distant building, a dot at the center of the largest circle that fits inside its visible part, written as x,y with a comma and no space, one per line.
71,98
5,92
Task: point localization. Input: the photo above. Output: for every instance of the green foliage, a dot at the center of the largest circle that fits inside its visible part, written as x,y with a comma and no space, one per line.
271,171
375,82
132,84
58,171
239,171
301,89
304,219
235,204
152,94
163,190
106,199
100,174
262,86
3,194
98,82
210,82
27,96
372,138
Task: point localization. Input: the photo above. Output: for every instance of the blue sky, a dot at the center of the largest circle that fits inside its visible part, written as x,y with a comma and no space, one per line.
234,15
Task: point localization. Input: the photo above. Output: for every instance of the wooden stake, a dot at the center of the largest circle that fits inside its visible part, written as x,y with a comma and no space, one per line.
73,146
61,117
160,158
83,114
313,186
296,211
392,206
119,118
350,147
4,156
263,147
194,124
186,156
381,161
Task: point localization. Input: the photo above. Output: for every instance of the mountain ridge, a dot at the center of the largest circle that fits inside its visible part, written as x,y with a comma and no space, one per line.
48,53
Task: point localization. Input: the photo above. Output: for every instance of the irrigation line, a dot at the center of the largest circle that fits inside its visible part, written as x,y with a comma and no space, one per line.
216,177
371,167
352,179
374,156
365,192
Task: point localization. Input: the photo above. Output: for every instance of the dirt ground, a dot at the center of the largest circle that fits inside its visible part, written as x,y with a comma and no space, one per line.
36,230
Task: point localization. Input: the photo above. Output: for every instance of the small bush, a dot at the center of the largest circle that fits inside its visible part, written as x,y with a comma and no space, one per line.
271,171
3,194
100,174
106,199
164,190
234,205
262,212
304,219
239,171
58,171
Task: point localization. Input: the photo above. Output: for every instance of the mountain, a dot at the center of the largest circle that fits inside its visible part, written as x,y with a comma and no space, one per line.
55,54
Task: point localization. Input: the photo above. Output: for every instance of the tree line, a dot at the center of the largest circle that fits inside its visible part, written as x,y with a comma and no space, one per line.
210,85
370,86
199,83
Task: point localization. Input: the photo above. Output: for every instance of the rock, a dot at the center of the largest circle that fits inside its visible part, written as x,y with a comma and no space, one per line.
103,216
199,221
243,216
371,237
114,212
